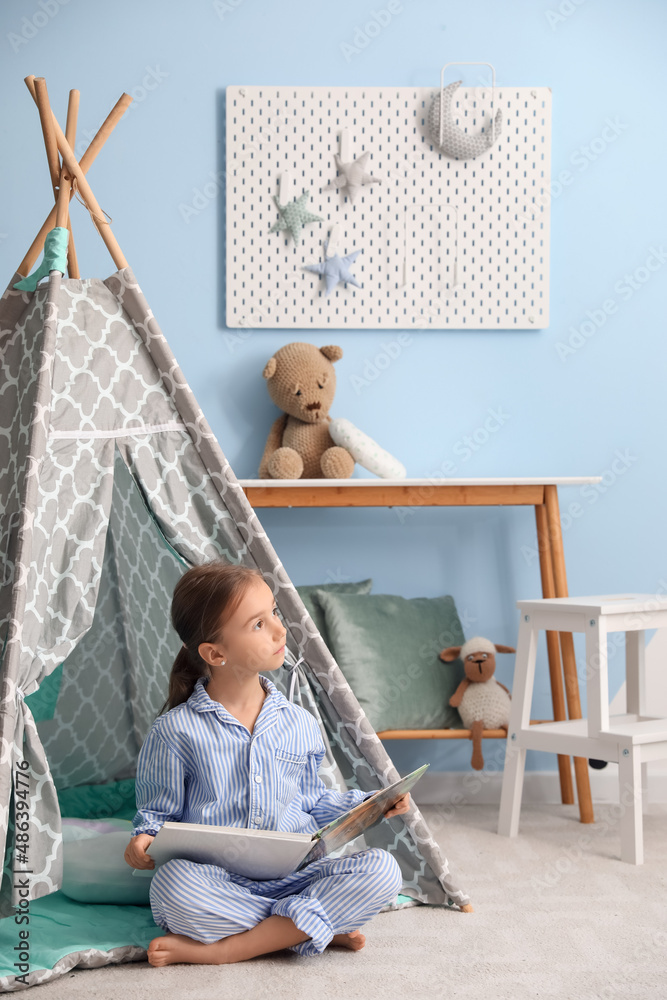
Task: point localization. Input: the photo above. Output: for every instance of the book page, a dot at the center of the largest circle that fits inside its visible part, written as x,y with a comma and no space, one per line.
353,823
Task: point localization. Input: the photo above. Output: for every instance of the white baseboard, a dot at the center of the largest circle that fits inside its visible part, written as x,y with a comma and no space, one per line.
483,787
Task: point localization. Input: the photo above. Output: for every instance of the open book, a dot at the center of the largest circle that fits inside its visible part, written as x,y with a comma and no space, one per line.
268,854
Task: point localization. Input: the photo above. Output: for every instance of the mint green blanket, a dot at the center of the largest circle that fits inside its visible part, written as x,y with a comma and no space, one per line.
59,926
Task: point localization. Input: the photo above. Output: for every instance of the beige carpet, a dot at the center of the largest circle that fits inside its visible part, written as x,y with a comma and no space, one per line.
557,915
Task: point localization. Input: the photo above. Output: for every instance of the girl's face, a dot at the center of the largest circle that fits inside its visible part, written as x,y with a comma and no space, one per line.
253,638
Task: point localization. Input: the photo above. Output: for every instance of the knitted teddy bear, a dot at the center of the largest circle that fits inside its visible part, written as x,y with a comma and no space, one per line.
302,382
482,701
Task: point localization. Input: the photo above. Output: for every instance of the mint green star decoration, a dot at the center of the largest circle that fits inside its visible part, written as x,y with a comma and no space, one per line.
294,216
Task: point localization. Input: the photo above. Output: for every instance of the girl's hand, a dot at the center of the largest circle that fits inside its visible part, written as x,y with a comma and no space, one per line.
135,852
401,806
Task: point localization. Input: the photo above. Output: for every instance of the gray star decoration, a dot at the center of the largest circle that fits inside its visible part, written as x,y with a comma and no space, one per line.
335,269
353,176
294,216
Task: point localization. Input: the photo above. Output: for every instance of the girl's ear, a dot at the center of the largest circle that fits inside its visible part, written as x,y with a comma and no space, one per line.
211,654
451,653
505,649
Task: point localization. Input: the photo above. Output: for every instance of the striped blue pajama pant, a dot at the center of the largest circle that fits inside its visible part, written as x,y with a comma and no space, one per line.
329,896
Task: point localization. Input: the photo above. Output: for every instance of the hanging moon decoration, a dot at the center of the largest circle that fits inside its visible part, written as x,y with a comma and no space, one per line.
453,141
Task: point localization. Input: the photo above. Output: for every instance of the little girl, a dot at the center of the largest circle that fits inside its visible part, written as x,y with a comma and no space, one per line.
231,750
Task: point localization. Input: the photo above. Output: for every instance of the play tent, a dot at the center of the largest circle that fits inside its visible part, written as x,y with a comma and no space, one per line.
112,483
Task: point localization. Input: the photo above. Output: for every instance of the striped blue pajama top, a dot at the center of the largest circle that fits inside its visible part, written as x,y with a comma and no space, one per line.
199,764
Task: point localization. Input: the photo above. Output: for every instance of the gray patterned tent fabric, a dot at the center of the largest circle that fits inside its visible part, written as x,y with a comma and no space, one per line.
112,483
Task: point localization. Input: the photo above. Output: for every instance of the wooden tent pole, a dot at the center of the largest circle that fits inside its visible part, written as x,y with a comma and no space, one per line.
85,163
64,193
35,87
104,131
87,160
102,226
48,131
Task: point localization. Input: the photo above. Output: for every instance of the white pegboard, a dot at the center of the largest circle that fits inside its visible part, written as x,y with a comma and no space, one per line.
490,214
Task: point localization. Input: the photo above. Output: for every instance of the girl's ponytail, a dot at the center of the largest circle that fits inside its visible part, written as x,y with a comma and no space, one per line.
185,673
204,598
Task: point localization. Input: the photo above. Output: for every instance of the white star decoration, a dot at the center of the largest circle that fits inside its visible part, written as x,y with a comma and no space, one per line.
353,175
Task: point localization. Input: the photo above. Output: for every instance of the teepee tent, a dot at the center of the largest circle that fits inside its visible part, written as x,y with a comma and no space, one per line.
112,483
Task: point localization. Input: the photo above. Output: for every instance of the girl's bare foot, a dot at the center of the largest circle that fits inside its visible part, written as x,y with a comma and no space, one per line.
173,948
179,948
353,939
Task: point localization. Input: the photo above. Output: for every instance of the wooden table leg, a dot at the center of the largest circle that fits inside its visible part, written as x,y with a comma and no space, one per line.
553,650
567,649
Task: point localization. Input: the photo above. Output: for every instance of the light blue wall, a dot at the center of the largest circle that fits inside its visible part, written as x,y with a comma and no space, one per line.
604,60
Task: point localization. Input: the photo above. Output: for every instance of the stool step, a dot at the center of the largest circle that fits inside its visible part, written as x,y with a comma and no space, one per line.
640,729
571,736
568,737
599,604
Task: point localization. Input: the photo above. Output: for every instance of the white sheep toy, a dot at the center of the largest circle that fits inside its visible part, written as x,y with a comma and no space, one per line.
482,701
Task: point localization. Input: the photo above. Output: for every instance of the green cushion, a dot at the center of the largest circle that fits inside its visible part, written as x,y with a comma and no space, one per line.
315,611
388,647
95,870
42,702
116,798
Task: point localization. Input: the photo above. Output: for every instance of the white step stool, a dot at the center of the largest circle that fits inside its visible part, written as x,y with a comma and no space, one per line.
631,739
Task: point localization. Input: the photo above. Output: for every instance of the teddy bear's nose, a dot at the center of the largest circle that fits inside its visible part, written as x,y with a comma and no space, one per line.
313,406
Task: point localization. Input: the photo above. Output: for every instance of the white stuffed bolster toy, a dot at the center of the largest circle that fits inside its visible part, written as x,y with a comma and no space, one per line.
364,450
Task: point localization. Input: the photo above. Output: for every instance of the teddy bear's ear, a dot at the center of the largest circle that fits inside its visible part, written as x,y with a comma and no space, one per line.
332,352
504,649
451,653
269,368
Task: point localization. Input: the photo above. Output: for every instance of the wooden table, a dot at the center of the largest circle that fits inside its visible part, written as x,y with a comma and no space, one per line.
540,493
